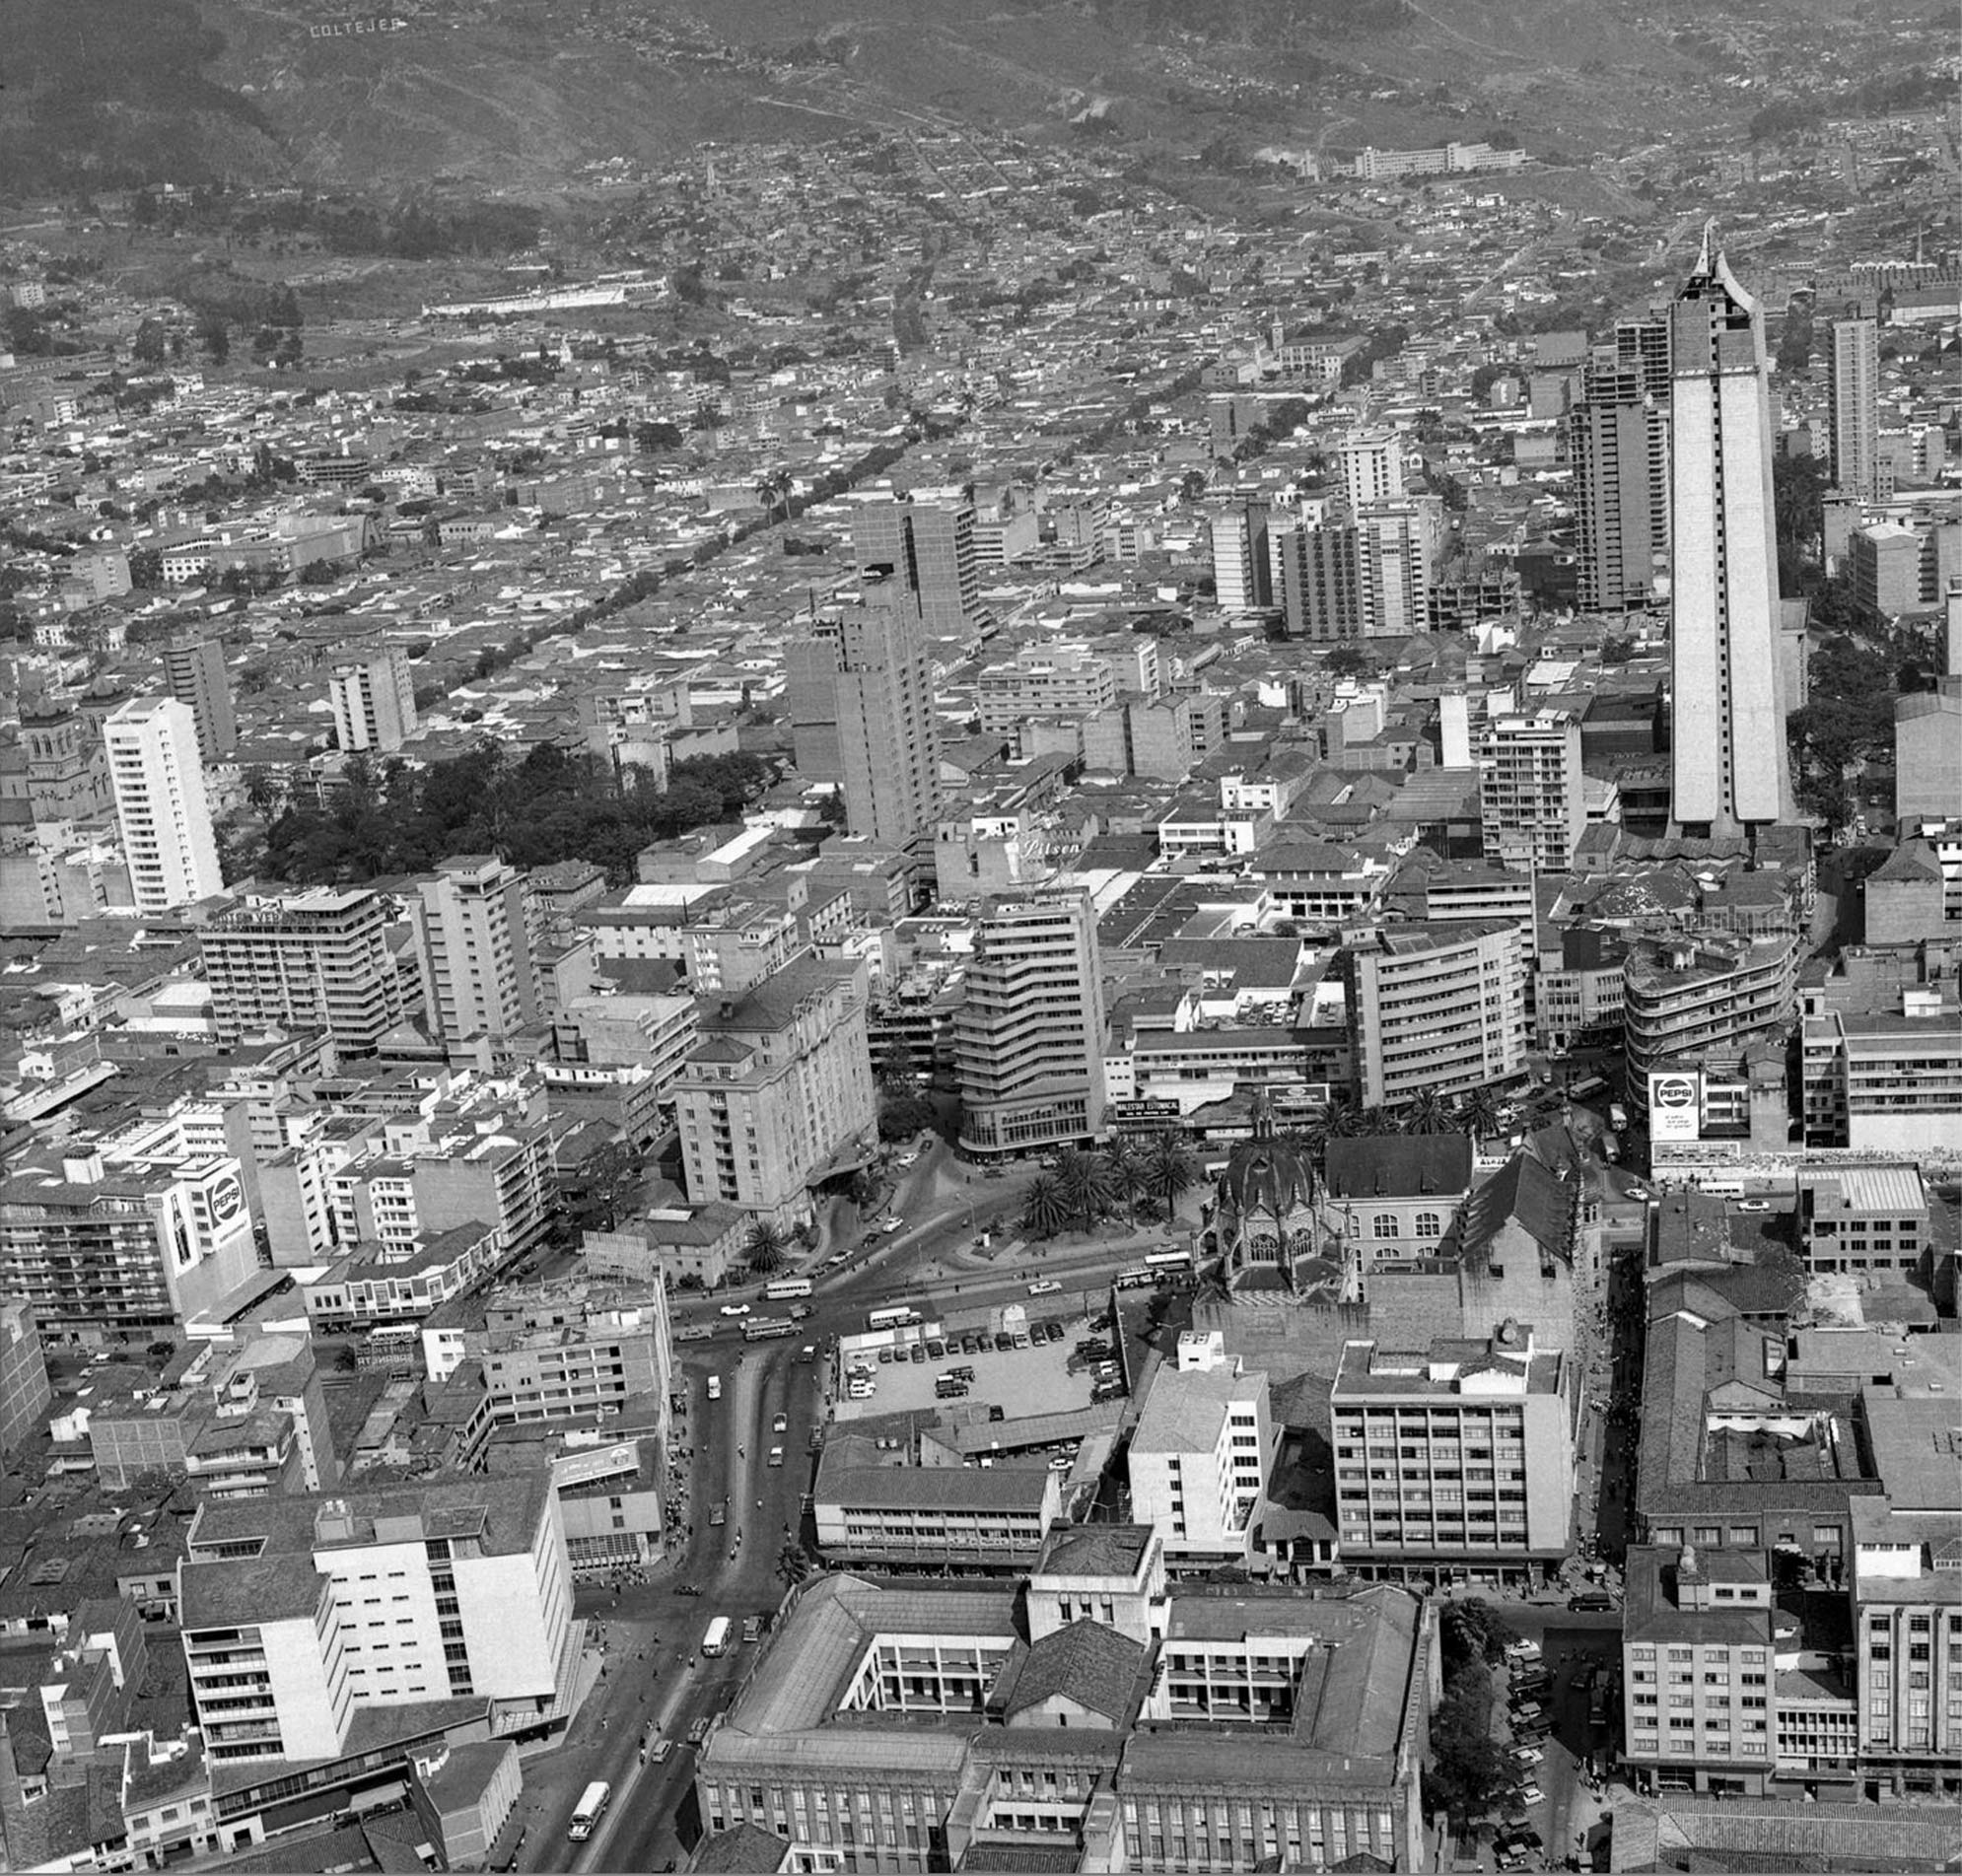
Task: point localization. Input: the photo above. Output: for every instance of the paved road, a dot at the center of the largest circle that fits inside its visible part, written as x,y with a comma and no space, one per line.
655,1632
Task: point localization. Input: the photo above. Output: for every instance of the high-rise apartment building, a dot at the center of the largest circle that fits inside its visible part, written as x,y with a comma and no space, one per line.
1368,577
778,1093
194,670
95,1249
1242,567
373,700
472,921
1853,407
1028,1035
302,1614
862,699
1438,1008
1319,571
161,804
925,548
1372,466
25,1392
1728,771
1618,442
319,960
1531,794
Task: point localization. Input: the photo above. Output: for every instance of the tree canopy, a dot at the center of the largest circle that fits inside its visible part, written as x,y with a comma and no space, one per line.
549,805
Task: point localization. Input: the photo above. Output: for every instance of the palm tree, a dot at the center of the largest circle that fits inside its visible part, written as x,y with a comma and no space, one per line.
1426,1113
773,489
1128,1163
1170,1171
793,1564
1085,1181
1044,1207
765,1247
1479,1112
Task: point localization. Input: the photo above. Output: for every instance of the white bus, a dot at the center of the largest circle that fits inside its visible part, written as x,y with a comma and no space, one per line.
898,1316
785,1288
592,1807
717,1638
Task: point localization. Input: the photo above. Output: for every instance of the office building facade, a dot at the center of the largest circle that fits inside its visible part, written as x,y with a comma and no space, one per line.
778,1093
1852,408
1242,567
1028,1035
861,708
1436,1007
317,959
161,804
374,700
1618,444
1728,768
926,550
1531,793
1454,1457
472,921
300,1614
194,670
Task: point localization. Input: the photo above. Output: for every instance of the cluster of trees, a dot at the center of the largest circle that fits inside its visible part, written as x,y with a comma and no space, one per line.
548,806
1846,722
1140,1178
1468,1768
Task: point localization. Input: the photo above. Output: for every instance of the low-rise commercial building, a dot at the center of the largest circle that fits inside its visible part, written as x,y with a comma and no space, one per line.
870,1509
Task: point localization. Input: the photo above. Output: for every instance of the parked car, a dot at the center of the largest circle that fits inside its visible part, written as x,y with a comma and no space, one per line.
1531,1794
1052,1332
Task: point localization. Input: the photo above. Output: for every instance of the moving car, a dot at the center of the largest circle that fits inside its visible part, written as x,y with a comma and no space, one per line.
776,1455
736,1309
781,1424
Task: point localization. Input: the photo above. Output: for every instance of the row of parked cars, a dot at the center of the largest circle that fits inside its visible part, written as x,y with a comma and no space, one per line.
1517,1844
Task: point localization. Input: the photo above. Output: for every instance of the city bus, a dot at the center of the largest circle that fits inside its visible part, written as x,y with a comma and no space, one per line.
1139,1279
717,1638
762,1328
592,1807
895,1316
786,1289
1174,1261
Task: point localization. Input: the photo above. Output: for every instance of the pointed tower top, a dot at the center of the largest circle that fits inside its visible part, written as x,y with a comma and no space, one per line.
1708,242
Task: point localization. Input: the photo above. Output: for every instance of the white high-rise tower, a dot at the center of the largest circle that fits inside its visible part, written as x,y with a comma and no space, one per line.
1729,770
161,803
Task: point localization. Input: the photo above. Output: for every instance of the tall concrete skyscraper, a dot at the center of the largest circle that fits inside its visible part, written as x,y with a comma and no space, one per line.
927,549
1618,442
473,928
1242,565
194,670
862,697
1028,1035
161,804
373,700
1729,772
1853,387
1371,466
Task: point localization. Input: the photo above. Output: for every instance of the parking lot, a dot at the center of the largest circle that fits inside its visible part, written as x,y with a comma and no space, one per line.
1021,1381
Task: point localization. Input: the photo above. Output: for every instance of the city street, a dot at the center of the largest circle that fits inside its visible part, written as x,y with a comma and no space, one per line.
653,1669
